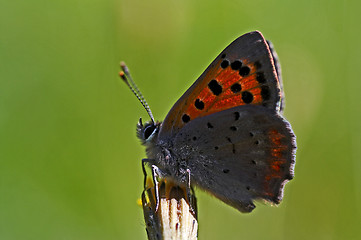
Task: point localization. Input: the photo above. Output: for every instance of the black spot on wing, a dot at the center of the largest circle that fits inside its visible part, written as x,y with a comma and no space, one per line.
247,97
235,88
260,77
236,116
265,92
185,118
257,64
224,64
236,65
215,87
233,128
199,104
244,71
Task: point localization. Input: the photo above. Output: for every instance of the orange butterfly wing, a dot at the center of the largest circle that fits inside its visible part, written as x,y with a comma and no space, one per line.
244,73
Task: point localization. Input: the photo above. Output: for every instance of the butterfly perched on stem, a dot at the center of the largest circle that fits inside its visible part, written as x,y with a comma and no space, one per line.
226,134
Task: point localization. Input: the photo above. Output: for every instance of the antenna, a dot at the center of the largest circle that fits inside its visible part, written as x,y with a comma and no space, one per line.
127,78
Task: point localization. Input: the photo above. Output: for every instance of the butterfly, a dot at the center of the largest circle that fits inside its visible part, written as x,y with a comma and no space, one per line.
226,134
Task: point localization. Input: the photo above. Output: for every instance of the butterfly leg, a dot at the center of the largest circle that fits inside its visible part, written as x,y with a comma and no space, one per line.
144,162
155,171
189,189
155,174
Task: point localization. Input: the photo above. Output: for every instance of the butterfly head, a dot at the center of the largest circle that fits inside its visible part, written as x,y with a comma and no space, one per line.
147,132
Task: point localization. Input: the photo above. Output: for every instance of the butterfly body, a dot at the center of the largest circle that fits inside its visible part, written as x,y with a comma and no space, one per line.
226,134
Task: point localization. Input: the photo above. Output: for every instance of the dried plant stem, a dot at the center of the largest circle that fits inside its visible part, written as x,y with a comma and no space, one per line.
175,219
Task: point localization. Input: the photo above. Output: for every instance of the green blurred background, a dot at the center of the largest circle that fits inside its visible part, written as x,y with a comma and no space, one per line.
70,163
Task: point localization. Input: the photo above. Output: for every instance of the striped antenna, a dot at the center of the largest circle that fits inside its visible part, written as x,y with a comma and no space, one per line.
127,78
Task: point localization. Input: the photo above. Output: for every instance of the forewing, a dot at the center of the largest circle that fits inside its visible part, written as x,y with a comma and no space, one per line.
239,155
242,74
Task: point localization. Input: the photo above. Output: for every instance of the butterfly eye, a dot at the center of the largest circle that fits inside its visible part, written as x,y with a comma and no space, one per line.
148,131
